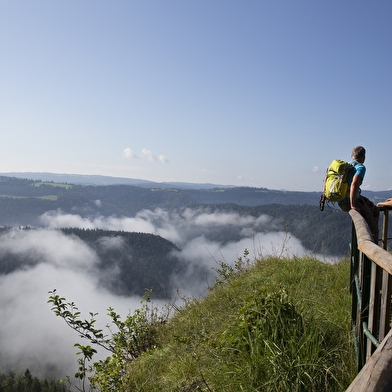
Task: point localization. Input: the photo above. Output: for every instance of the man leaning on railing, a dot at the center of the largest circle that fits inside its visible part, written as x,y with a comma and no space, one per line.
355,201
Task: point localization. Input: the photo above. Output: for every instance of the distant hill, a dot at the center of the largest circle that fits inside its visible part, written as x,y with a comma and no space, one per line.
274,196
24,201
81,179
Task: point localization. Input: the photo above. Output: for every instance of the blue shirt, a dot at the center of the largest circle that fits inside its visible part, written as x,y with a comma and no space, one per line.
359,170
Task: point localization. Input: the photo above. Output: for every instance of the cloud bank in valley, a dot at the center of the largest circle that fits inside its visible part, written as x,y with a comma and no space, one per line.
31,335
205,237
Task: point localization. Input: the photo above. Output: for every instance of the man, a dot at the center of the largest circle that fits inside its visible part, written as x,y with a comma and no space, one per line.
355,201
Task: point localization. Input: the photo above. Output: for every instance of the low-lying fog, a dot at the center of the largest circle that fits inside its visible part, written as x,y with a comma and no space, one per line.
32,336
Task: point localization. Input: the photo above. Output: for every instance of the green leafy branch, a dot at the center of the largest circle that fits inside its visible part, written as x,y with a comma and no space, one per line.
126,341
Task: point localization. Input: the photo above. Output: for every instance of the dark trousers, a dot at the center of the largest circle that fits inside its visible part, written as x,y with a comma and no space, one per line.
368,210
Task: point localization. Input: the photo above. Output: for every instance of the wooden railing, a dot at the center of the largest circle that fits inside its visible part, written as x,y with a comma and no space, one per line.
371,290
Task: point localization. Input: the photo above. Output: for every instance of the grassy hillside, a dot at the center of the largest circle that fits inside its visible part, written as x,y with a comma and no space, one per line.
278,325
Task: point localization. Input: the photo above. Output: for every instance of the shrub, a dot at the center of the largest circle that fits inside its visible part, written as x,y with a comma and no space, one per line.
130,338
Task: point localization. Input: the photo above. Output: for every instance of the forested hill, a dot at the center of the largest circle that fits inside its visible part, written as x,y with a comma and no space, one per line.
128,263
144,261
129,199
22,201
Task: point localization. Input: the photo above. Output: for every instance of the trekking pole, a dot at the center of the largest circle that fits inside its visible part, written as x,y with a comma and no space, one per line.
322,198
322,202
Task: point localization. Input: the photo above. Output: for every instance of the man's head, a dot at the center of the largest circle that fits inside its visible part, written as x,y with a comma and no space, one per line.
358,154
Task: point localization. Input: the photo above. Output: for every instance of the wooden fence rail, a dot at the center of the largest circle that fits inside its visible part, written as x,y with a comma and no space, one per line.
376,375
371,291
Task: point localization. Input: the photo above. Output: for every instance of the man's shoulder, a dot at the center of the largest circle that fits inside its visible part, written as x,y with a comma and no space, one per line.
360,169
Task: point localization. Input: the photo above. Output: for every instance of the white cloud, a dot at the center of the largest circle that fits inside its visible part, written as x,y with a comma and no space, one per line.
148,153
180,227
315,169
151,157
74,252
56,219
223,219
203,256
129,154
163,159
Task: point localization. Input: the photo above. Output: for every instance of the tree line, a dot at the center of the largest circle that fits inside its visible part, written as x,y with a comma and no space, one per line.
27,383
144,260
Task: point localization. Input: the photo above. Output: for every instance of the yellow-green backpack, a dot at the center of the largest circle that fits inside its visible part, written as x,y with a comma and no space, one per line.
336,187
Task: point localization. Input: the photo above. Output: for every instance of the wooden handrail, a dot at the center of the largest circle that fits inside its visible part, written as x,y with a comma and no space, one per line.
365,244
371,286
376,375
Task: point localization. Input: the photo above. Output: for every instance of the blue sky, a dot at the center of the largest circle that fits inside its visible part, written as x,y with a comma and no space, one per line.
254,93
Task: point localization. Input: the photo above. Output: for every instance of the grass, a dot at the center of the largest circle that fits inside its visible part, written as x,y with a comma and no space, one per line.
54,184
47,197
279,325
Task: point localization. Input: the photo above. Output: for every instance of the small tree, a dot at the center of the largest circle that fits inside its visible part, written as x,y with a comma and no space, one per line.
126,340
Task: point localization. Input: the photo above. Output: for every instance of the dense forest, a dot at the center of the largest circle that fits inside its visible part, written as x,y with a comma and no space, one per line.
27,383
22,201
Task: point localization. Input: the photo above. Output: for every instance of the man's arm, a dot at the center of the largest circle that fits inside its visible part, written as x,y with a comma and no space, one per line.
354,190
